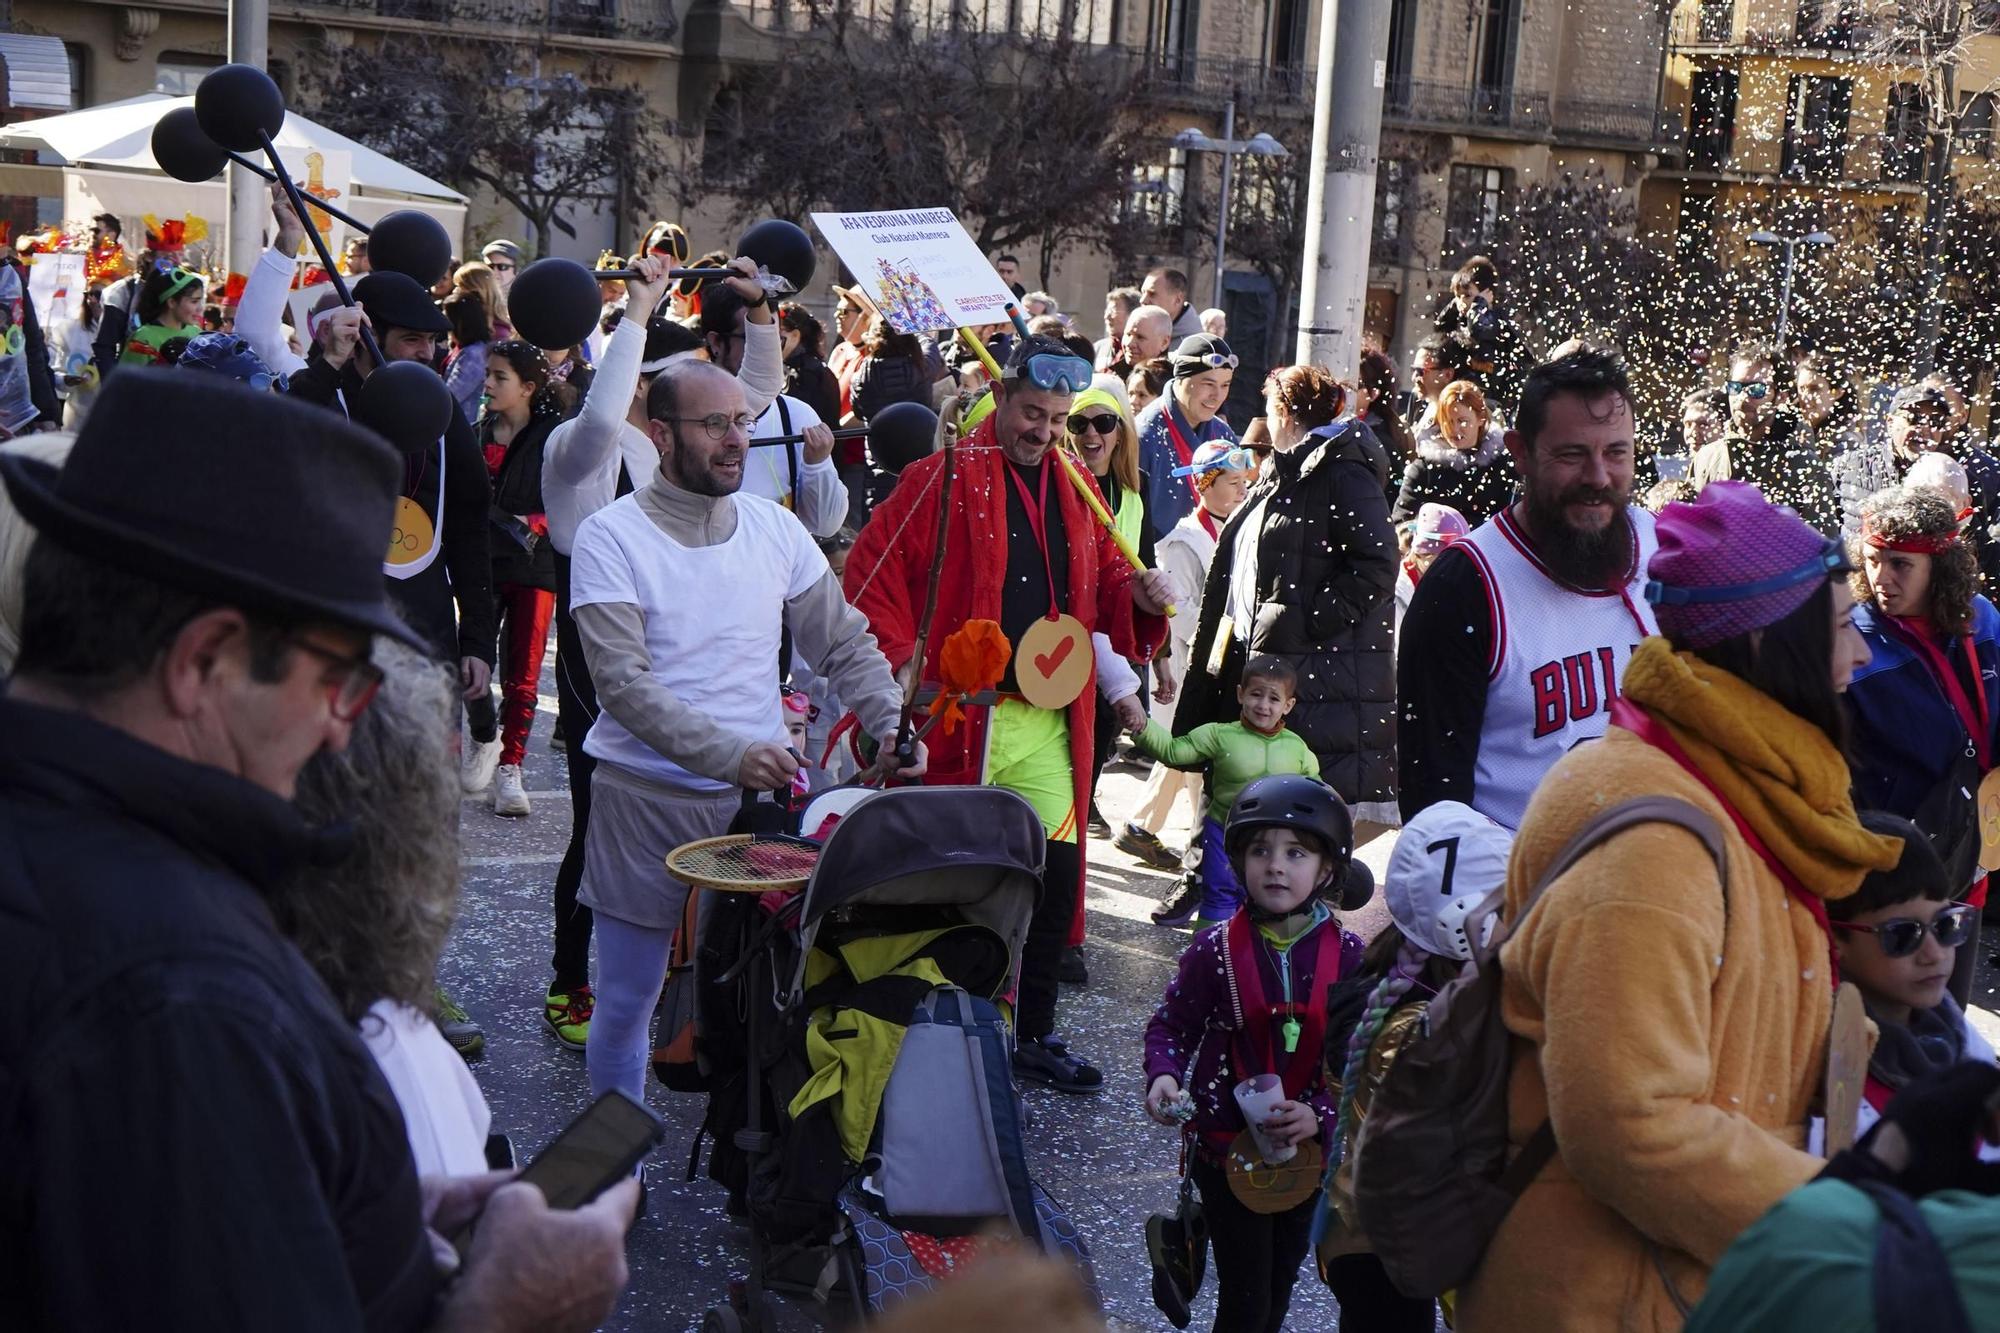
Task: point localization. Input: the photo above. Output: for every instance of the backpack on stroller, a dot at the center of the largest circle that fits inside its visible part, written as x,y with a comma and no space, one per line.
859,1055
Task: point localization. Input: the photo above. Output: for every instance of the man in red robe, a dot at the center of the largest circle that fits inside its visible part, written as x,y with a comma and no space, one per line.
1022,548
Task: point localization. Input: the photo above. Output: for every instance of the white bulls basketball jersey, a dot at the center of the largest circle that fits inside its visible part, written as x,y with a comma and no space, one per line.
1558,654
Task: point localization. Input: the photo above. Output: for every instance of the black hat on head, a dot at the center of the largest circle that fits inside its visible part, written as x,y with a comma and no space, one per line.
395,301
219,489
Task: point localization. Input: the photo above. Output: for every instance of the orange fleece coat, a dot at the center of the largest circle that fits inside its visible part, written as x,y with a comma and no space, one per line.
1678,1055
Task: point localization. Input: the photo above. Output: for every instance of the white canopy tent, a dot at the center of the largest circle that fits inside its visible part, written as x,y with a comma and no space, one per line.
107,166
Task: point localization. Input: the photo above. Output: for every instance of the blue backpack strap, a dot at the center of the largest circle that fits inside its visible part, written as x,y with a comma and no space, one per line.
981,1020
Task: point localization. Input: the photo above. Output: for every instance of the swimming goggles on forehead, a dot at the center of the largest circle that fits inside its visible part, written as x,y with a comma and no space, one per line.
1213,360
1235,460
1054,373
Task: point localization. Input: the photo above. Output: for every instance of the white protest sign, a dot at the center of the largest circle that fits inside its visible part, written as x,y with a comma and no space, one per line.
919,268
55,285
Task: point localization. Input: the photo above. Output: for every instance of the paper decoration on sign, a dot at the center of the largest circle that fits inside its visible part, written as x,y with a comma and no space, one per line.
919,267
1053,661
323,173
55,285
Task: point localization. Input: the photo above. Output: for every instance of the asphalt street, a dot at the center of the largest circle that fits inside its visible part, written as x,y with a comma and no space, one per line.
1100,1156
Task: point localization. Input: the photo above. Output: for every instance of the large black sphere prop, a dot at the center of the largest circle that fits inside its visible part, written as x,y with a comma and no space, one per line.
412,243
238,106
900,434
183,150
406,404
553,302
783,248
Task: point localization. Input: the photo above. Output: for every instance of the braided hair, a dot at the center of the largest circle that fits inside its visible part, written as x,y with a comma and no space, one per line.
1410,963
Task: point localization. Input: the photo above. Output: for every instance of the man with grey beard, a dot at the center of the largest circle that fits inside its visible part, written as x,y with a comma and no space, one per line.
1515,640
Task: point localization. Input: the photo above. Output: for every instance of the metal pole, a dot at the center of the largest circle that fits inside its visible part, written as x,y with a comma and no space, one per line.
1340,202
249,200
1785,297
1222,196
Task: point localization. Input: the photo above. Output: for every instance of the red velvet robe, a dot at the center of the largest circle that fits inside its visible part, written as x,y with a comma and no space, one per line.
889,568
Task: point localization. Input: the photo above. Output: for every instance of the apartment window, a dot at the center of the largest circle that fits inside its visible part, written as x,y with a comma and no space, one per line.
1697,226
1892,245
1472,211
1975,126
1289,20
1903,134
1402,42
1816,128
179,71
1388,242
1716,22
1181,31
1499,32
1711,119
1831,25
1157,192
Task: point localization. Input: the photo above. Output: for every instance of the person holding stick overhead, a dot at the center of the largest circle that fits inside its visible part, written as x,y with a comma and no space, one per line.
1021,547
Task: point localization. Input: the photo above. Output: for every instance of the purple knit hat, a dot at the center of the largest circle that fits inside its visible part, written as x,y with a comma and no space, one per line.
1732,562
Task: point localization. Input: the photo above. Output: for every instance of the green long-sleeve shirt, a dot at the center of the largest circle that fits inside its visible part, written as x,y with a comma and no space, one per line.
1233,754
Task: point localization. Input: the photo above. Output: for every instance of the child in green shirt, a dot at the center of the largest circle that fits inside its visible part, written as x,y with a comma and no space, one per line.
1232,754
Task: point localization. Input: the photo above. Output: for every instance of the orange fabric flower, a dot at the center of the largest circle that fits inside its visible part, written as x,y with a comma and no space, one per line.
972,658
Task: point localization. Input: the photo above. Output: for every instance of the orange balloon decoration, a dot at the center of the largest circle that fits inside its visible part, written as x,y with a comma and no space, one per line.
972,658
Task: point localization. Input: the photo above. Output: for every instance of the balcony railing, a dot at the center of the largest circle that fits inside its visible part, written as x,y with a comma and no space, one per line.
1715,22
1638,123
1416,102
626,20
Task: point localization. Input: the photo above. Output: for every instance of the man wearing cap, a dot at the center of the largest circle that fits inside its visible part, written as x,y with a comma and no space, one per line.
1022,549
1917,422
504,258
1512,648
441,572
602,453
1181,420
1760,445
195,1137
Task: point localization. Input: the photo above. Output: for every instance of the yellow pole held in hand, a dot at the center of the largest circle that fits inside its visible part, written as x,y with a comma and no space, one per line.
1069,468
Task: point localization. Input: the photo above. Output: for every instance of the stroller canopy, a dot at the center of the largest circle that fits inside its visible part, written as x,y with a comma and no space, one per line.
927,846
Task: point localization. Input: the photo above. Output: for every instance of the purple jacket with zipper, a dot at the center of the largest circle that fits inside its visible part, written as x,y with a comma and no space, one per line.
1193,1027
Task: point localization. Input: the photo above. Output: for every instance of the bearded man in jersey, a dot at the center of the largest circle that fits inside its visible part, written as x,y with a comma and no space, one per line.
1514,644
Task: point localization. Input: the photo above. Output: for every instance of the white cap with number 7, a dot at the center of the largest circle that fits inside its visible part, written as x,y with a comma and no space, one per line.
1446,862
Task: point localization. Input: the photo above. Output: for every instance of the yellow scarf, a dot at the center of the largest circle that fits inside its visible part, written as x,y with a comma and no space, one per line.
1781,773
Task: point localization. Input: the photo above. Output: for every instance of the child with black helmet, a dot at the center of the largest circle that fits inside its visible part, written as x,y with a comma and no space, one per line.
1248,1007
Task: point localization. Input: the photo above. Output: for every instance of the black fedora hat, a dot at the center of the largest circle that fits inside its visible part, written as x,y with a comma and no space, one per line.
210,486
395,301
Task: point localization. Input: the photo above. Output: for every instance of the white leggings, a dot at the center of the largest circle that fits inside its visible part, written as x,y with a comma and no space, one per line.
631,968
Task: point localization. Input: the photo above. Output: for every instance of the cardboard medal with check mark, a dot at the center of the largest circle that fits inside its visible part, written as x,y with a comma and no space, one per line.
1052,662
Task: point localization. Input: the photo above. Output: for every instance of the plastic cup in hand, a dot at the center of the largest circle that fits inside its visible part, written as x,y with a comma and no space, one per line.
1258,1097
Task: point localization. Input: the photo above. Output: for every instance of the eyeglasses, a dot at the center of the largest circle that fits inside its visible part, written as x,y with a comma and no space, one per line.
717,424
1054,373
1901,936
351,682
1214,360
1104,423
1750,388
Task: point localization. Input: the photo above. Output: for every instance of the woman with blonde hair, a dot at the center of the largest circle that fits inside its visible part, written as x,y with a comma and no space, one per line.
484,283
1465,465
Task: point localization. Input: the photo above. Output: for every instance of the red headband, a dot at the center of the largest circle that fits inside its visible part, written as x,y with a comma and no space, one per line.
1916,544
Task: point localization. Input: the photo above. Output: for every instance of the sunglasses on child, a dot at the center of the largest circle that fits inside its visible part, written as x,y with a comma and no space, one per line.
1104,423
1901,936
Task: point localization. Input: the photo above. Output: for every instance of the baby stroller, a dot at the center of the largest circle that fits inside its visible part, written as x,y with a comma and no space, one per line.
869,1128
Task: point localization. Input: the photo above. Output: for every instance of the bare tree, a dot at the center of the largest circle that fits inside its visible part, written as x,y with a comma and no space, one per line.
499,114
1023,134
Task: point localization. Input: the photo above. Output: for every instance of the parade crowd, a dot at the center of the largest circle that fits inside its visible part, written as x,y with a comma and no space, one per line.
237,735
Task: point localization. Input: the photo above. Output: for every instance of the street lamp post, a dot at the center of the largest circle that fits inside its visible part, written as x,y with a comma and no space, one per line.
1257,145
1790,245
